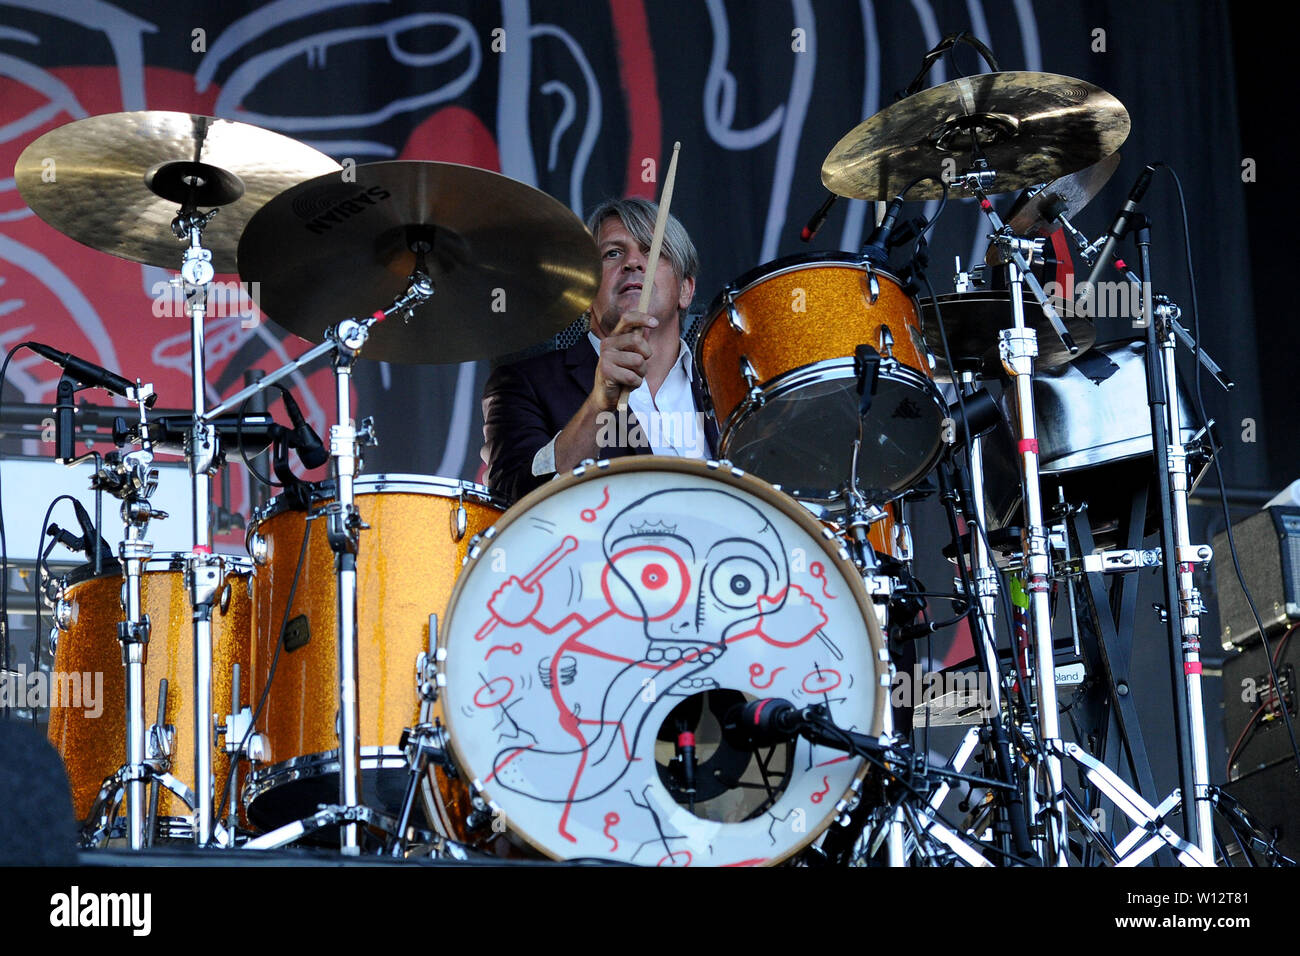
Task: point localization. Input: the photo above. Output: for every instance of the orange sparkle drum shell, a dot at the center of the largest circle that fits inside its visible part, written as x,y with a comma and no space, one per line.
94,747
776,353
416,532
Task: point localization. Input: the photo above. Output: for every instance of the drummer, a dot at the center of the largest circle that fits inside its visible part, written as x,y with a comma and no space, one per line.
546,414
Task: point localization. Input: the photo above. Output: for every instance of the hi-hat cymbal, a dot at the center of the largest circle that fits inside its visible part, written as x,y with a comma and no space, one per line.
115,182
1031,128
511,266
974,319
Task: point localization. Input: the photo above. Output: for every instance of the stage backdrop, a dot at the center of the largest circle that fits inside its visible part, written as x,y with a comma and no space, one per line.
583,101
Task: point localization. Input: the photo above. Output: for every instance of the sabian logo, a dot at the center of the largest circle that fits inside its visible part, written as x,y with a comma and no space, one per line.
346,209
76,909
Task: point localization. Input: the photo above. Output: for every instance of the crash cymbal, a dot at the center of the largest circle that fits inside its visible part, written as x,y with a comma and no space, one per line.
973,320
510,265
1031,127
115,182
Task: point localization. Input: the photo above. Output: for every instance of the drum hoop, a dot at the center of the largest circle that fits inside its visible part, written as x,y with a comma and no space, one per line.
159,561
823,370
736,478
267,779
402,484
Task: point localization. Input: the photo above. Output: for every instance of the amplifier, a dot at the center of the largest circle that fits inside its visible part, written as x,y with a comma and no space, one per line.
1268,546
1253,726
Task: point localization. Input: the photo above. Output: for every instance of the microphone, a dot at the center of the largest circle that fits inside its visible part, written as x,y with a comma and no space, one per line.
774,720
877,248
1120,224
818,218
311,450
87,373
66,538
90,533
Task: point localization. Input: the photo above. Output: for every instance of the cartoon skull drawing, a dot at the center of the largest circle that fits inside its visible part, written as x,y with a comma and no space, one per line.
692,587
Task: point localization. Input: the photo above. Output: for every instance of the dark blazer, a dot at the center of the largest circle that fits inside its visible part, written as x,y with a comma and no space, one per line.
528,403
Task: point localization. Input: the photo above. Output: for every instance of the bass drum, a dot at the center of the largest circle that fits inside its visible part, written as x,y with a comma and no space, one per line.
776,351
416,531
92,742
623,612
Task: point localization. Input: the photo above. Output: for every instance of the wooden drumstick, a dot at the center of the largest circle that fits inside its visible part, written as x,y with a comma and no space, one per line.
652,260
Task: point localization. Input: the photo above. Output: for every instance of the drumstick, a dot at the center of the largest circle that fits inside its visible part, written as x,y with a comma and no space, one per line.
652,263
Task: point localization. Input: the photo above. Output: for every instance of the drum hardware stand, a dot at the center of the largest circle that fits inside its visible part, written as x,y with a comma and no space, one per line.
424,744
345,341
238,726
1018,347
133,479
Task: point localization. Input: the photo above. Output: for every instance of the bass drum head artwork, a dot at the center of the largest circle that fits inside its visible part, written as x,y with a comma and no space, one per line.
619,614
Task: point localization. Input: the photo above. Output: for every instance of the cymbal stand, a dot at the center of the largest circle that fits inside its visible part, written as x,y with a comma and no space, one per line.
345,340
203,571
1018,347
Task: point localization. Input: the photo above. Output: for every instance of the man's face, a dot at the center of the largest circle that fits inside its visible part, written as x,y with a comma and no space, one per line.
622,274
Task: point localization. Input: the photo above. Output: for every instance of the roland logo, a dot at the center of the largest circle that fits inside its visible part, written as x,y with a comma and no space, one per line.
346,209
78,909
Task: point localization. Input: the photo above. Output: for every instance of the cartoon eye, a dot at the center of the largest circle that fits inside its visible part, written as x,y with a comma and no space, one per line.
737,582
648,582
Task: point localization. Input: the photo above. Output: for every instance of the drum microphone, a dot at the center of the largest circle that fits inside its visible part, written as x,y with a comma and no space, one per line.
303,438
877,248
90,533
818,218
774,720
87,373
1120,225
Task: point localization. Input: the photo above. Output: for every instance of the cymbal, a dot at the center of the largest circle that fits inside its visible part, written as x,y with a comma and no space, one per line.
115,182
1066,196
511,266
1031,127
973,320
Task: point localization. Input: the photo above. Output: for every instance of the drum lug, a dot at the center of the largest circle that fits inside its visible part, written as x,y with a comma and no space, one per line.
53,641
161,739
62,614
886,339
459,521
747,372
734,318
871,284
257,548
426,677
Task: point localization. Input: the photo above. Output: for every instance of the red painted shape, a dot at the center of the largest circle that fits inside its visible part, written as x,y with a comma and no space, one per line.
820,795
1027,444
453,135
1192,667
636,73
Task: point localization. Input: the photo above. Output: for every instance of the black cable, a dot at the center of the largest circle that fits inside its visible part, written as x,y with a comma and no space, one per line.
38,587
1216,450
239,439
4,545
275,659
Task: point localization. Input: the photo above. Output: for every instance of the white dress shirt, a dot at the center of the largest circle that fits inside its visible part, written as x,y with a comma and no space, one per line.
669,419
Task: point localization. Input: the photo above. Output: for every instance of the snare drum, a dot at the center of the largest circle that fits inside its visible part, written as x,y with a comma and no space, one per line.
92,740
415,535
777,355
628,609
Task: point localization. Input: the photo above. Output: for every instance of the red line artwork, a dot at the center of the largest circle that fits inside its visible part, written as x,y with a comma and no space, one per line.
756,671
818,571
821,681
680,858
820,795
611,818
527,586
494,698
589,514
516,648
